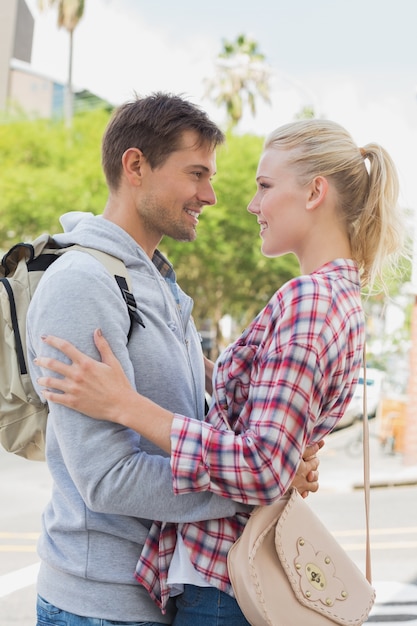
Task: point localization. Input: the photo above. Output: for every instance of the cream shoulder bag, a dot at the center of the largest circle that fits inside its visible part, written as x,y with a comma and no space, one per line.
287,569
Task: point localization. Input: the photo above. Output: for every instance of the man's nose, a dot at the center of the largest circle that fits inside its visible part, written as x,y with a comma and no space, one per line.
207,195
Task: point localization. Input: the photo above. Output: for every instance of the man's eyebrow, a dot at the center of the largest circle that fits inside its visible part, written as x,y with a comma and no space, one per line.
201,167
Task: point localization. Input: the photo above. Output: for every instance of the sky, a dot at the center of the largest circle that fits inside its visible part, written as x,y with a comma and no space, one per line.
354,61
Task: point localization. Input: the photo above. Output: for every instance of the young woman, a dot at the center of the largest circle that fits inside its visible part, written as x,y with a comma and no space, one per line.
287,380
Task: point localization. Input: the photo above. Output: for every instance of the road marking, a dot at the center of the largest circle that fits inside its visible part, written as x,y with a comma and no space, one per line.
27,541
12,548
32,536
19,579
395,603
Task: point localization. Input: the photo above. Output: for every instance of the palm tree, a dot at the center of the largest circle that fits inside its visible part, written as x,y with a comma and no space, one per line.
242,75
69,14
306,113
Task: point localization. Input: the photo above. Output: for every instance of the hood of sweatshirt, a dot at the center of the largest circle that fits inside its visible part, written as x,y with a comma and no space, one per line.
94,231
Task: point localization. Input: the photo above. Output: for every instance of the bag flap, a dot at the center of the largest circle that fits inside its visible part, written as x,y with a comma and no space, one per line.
321,574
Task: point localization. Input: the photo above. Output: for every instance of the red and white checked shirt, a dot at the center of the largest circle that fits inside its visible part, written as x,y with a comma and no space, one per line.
283,384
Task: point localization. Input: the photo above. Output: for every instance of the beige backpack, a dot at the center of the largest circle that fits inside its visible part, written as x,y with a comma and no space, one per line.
23,415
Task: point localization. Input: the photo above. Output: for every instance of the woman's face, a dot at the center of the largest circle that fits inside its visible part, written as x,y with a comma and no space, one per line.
279,204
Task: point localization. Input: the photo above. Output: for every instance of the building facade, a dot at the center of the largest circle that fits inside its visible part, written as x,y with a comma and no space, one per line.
21,89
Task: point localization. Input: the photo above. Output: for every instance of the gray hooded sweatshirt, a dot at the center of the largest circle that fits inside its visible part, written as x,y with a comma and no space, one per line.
108,482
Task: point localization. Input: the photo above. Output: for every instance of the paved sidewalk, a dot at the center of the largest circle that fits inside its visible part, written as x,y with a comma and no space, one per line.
341,462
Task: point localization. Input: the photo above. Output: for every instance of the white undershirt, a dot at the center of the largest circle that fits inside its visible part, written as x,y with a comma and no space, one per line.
182,571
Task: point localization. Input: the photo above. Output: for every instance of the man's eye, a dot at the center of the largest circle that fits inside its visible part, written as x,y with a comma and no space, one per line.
197,174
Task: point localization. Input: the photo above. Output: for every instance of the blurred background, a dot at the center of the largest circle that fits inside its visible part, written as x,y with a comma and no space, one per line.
65,64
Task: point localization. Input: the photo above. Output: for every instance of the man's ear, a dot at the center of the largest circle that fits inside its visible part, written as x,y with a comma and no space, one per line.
132,161
317,192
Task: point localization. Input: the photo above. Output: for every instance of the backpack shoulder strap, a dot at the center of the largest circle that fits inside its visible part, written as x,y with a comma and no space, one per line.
23,415
118,269
113,265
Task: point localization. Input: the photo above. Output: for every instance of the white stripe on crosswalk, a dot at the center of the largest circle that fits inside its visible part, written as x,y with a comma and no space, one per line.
395,603
18,579
395,599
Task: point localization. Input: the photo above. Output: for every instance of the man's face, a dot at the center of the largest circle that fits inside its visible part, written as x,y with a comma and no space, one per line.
173,195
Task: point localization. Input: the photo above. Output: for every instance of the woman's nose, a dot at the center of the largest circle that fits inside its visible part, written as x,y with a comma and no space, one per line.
253,206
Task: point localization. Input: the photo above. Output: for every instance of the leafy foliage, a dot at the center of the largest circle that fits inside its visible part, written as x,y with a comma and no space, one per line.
47,170
242,76
69,12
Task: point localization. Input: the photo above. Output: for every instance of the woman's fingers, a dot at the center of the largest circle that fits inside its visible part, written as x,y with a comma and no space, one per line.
70,376
52,364
52,382
63,346
59,398
80,362
312,450
104,349
88,385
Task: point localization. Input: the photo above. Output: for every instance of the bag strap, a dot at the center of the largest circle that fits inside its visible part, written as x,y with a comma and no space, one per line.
117,268
366,471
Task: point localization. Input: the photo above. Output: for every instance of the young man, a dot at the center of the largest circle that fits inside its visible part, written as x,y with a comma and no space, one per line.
158,157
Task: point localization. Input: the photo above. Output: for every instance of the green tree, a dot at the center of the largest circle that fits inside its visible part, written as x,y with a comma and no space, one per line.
306,113
242,75
44,176
69,14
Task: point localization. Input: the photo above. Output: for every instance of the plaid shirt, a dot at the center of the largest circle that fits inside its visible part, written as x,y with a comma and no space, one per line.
283,384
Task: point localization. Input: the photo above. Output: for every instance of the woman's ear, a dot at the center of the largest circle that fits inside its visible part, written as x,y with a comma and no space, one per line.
318,189
132,161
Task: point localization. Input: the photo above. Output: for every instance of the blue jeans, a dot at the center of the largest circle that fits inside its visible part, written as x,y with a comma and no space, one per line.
207,606
50,615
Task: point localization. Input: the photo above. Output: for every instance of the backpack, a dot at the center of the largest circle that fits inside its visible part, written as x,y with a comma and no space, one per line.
23,415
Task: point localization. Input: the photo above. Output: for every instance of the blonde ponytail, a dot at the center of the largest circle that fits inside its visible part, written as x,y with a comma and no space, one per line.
377,239
367,187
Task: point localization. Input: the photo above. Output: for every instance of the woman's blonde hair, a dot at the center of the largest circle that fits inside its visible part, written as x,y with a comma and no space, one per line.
366,183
